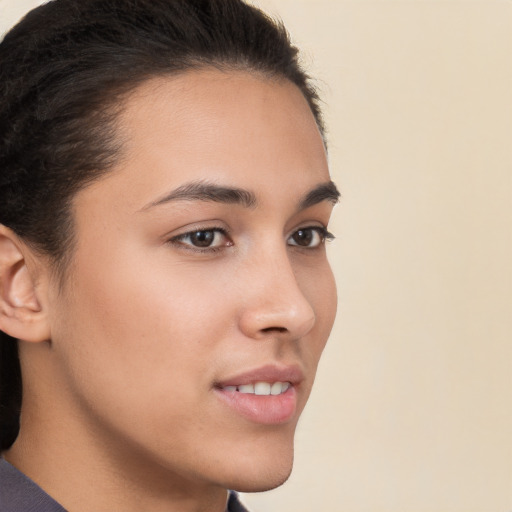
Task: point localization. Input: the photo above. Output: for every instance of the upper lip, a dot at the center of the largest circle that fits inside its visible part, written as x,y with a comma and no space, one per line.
268,373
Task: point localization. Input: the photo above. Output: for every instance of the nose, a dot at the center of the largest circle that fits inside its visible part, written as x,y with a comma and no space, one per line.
274,303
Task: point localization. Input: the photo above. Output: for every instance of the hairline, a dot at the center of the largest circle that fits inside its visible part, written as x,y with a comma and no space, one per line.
114,107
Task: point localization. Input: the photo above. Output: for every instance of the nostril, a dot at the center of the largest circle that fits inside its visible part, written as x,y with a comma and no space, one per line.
278,329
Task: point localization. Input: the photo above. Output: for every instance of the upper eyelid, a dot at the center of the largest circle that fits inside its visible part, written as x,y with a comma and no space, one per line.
177,240
198,230
322,228
194,229
179,243
185,234
224,230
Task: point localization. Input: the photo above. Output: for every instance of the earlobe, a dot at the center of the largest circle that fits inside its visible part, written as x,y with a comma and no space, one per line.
22,315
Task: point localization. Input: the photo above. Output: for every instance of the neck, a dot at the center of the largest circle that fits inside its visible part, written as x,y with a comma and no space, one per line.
84,475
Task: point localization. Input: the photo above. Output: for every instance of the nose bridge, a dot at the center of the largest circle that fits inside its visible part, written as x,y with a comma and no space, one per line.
276,302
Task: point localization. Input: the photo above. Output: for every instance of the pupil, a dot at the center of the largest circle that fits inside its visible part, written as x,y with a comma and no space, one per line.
202,238
303,237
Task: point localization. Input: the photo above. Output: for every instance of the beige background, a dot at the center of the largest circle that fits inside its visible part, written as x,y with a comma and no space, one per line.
413,406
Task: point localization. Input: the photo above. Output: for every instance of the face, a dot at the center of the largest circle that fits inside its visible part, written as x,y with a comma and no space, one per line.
199,298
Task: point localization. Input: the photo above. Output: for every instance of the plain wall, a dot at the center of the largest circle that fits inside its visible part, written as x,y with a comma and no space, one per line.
412,406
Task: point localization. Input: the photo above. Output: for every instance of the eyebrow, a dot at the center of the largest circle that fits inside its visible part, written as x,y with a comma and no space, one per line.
323,192
205,191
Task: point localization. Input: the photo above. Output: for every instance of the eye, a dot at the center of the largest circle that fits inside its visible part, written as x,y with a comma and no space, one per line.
204,239
310,237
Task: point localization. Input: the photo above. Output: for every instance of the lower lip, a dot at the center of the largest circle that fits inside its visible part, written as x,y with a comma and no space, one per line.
264,409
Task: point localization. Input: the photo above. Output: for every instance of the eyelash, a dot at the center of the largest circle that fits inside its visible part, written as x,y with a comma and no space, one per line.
179,240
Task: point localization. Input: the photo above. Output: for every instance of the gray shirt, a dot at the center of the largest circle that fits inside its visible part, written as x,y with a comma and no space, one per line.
20,494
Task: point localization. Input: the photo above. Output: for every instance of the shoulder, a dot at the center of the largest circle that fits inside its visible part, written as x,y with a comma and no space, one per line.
234,503
20,494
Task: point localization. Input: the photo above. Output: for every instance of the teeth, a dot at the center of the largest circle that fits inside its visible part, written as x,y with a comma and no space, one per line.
246,388
277,388
261,388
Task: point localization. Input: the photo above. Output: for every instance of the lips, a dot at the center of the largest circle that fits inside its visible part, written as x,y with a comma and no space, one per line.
260,388
266,395
270,373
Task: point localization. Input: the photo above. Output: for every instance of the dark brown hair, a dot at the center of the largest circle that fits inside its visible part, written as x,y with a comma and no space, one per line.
64,70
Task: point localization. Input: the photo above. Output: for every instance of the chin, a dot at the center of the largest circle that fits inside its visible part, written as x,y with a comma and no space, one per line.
262,474
261,483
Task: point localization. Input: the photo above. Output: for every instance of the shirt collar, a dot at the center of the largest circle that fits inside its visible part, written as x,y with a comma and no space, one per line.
19,494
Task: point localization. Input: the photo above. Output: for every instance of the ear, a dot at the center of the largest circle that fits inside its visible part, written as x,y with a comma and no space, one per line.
21,313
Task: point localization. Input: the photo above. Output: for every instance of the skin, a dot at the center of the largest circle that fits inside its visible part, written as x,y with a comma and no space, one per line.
122,399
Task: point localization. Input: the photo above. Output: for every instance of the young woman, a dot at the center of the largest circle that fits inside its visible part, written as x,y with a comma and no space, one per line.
165,292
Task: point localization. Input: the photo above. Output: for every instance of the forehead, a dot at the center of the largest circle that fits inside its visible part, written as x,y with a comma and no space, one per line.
232,128
212,93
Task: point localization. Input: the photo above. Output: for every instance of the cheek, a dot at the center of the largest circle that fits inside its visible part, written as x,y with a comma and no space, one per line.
319,287
133,330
